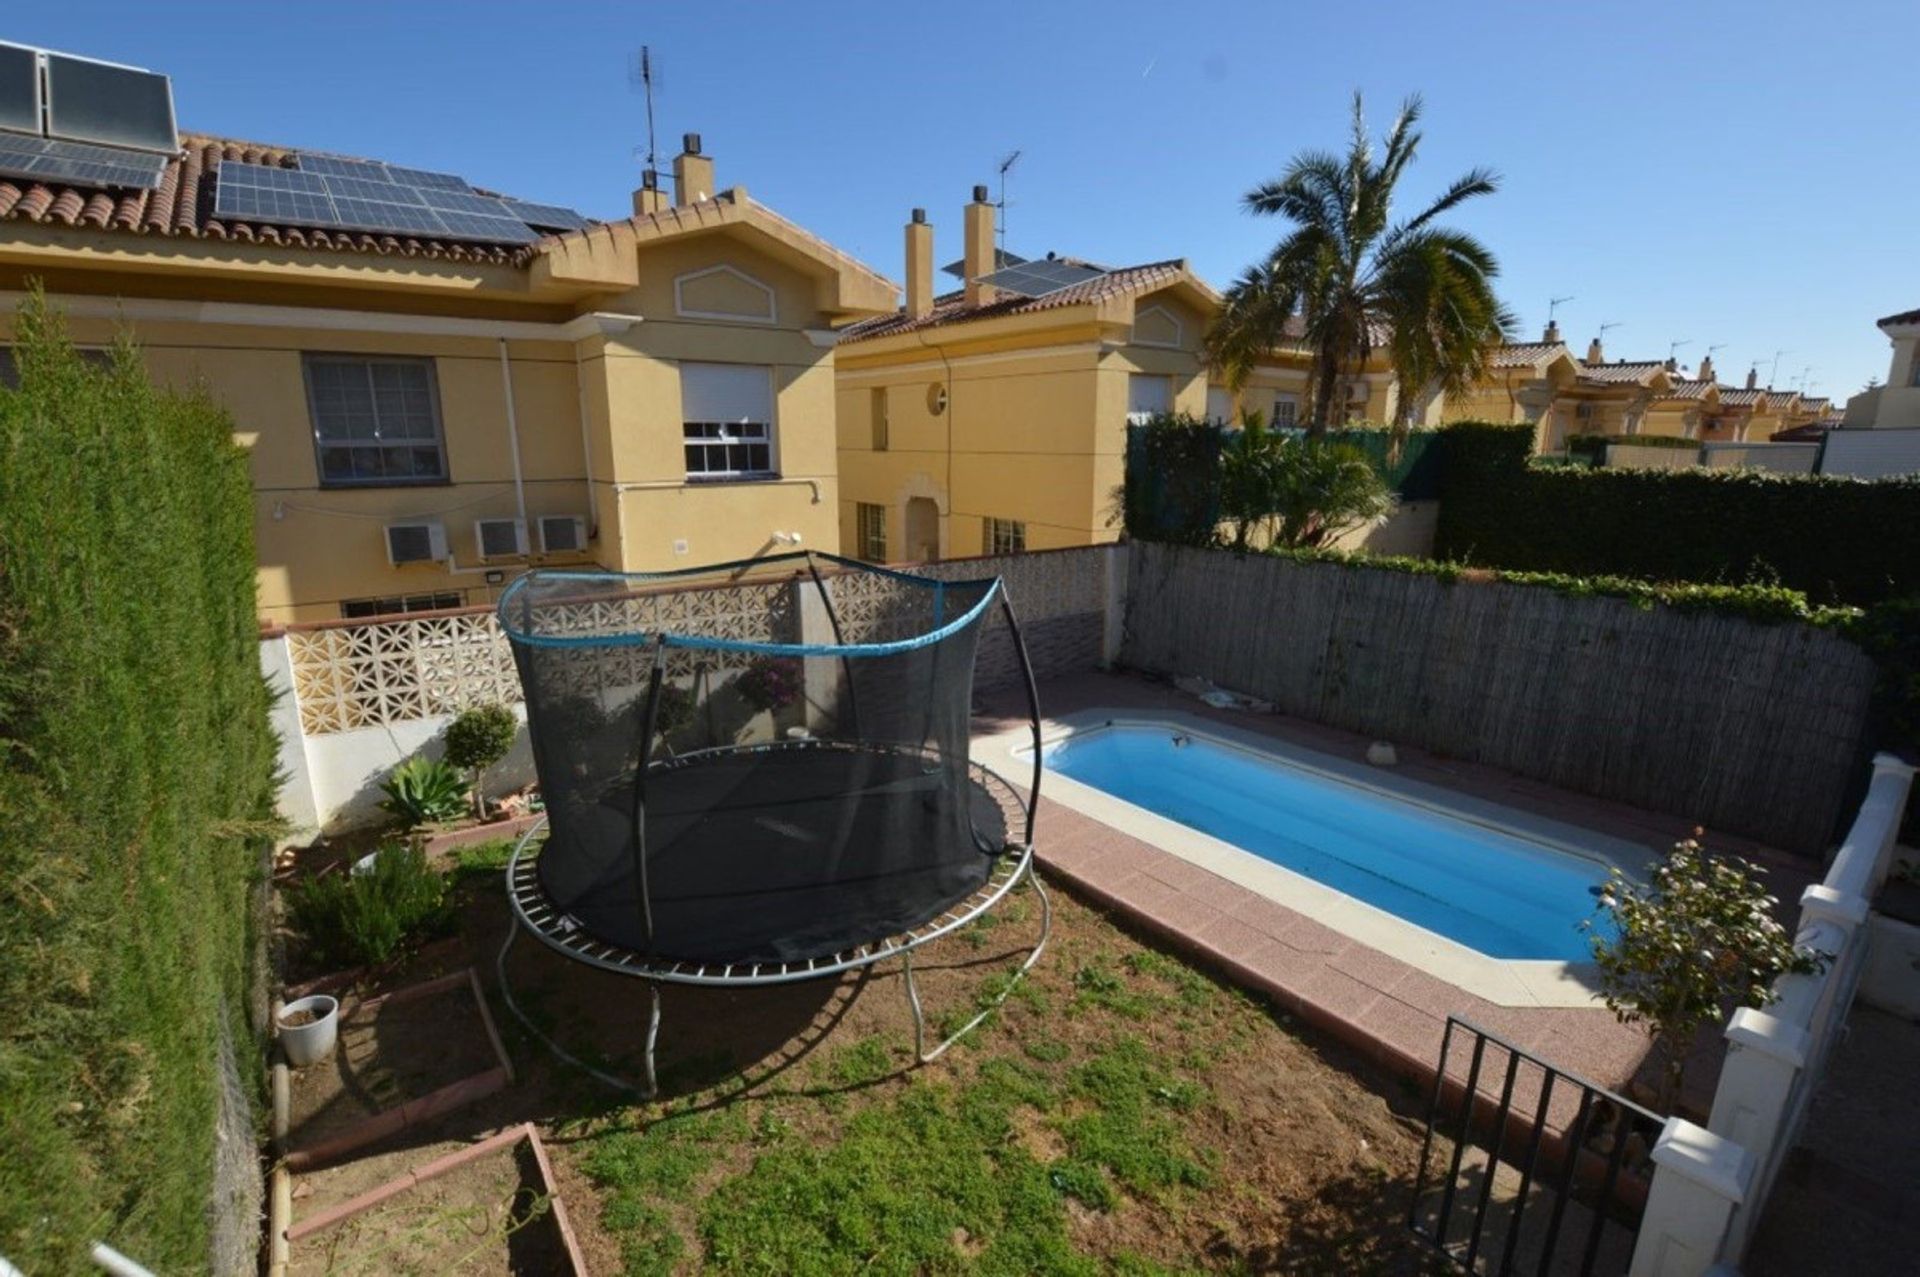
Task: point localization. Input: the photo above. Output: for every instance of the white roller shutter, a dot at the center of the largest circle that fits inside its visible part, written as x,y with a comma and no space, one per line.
729,393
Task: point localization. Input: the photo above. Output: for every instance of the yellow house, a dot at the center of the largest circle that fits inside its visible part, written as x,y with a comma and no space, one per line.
993,417
432,412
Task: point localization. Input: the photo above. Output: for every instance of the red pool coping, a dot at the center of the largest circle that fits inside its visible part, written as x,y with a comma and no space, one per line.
1384,1009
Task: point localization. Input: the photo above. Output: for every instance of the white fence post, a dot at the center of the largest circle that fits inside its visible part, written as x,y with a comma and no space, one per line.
1698,1181
295,801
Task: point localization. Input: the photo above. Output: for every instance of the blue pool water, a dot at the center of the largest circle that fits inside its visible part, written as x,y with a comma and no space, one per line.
1492,891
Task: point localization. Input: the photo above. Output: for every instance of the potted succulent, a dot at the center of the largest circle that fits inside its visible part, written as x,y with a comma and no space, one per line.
308,1029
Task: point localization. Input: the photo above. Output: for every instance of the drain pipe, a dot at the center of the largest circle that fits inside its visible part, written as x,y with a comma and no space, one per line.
586,444
513,441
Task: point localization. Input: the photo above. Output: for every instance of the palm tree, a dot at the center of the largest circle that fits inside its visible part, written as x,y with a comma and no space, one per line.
1347,278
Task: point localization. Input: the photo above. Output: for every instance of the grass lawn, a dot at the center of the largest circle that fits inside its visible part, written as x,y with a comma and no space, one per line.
1123,1113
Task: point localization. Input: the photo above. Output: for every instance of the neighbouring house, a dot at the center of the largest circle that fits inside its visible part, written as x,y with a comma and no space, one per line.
993,417
441,388
1895,405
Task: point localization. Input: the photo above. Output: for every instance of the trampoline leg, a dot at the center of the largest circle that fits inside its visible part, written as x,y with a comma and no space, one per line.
506,995
653,1035
1033,956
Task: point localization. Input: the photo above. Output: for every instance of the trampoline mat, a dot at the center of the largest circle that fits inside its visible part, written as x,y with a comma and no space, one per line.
776,855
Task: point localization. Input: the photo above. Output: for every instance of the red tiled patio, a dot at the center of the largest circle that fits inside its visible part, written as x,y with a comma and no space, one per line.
1381,1005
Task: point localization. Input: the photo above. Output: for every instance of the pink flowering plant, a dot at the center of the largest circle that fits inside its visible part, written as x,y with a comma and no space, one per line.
770,683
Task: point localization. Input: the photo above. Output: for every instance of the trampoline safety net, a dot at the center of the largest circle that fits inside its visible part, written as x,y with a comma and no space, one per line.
762,762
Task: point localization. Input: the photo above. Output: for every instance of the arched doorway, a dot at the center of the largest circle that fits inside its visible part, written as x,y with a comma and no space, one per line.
923,530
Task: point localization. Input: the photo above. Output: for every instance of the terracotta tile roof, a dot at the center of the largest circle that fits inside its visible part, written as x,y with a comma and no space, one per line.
1626,372
1688,390
1780,398
182,205
1740,397
1904,317
952,308
1815,404
1525,354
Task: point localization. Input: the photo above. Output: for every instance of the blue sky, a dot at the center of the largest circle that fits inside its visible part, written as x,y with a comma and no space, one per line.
1741,175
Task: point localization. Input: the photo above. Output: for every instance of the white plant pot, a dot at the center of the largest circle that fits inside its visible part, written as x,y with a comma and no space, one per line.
309,1043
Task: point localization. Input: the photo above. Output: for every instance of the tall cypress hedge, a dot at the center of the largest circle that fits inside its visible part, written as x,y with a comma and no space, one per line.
1839,541
135,775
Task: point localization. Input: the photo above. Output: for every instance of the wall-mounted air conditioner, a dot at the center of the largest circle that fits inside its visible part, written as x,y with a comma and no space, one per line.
424,541
562,534
500,538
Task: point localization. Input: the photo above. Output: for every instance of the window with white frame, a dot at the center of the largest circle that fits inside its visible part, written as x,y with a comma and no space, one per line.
375,421
1005,536
1286,411
726,412
1219,405
1148,394
870,531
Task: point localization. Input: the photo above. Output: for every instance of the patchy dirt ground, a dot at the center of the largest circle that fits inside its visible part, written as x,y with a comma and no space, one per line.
1122,1113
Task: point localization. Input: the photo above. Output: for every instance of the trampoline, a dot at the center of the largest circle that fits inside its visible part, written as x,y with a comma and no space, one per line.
758,772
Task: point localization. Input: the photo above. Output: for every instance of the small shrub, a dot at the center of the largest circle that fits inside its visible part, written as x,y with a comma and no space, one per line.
365,919
423,790
770,683
477,739
1700,940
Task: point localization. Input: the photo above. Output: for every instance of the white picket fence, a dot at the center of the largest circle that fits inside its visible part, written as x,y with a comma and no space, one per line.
1711,1183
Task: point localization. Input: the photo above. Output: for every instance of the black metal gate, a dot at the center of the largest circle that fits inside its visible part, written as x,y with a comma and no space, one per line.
1527,1168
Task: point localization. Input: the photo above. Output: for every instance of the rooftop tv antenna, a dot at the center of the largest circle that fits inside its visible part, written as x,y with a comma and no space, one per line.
640,76
1610,324
1673,347
1012,158
1776,367
1553,304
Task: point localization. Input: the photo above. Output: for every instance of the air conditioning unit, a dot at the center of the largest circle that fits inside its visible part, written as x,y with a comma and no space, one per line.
422,542
562,534
500,538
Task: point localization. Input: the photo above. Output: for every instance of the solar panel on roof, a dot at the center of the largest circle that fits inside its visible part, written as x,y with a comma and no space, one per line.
549,216
19,88
509,230
1038,278
358,188
260,193
52,160
336,166
428,178
462,202
90,101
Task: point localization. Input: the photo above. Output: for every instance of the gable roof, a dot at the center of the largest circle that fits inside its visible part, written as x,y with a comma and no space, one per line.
1687,389
1904,317
182,206
1527,354
952,308
1623,373
1740,397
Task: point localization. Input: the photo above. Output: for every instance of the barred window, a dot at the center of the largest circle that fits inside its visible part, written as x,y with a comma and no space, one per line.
375,421
871,531
353,609
1005,536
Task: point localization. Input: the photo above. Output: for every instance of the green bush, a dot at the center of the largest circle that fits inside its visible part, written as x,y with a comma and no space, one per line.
1839,541
1172,489
366,918
478,738
135,785
423,790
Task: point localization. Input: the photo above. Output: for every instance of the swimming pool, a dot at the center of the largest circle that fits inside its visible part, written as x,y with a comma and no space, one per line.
1489,888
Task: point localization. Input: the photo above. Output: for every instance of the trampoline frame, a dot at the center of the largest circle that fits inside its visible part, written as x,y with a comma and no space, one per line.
531,909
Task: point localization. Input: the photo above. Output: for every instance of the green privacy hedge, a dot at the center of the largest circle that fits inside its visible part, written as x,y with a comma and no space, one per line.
1839,541
135,764
1172,491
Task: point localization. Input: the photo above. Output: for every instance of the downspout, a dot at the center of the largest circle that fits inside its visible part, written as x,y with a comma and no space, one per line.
586,444
513,439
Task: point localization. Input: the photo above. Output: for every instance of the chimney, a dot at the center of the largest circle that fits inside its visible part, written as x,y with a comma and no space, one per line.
1706,368
692,173
1673,364
1594,354
649,198
979,259
1753,378
919,266
1552,335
